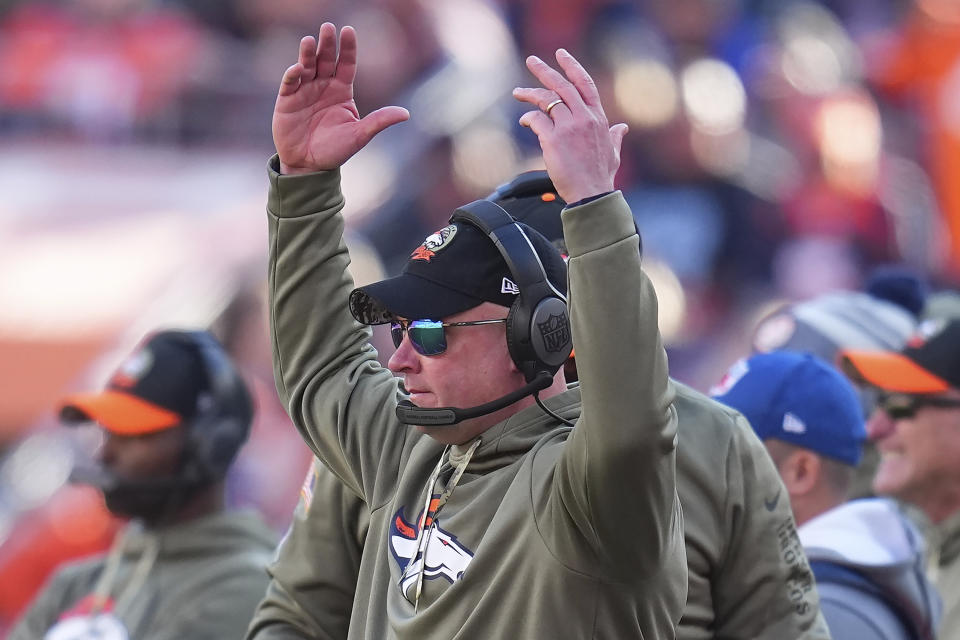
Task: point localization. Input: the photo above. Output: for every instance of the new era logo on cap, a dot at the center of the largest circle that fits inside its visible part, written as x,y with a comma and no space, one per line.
793,424
508,286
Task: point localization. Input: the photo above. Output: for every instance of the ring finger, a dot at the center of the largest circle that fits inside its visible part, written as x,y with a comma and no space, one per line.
544,99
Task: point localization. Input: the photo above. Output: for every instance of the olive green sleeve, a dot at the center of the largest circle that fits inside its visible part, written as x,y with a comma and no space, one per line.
327,374
314,574
612,510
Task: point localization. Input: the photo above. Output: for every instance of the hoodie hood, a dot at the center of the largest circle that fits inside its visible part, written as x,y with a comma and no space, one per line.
875,539
507,441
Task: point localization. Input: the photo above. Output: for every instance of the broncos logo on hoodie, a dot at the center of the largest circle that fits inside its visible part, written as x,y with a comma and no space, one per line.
444,556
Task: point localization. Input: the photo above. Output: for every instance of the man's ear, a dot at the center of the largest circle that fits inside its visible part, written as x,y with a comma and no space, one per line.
800,471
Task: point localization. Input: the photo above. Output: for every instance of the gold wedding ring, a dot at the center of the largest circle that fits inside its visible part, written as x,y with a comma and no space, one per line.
552,105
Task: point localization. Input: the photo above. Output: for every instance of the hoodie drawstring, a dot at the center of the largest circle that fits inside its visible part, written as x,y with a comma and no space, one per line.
430,511
104,586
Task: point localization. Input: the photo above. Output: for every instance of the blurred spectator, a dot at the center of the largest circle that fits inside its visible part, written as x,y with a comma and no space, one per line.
872,319
922,66
880,318
917,432
942,304
173,417
867,558
99,69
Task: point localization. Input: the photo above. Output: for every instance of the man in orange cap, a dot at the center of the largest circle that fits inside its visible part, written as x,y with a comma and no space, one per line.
917,432
173,416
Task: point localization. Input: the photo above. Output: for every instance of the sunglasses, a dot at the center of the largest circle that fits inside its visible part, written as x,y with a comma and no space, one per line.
428,336
901,406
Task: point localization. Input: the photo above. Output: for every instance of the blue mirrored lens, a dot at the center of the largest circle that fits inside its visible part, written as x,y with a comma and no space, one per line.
426,336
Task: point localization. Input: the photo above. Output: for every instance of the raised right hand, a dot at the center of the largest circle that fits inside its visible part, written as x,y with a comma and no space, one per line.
316,126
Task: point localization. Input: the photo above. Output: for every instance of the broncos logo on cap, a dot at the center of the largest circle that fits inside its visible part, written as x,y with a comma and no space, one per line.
444,556
434,242
132,369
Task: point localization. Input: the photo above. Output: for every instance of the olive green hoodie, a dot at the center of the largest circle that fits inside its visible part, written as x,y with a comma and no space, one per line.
746,580
198,580
552,531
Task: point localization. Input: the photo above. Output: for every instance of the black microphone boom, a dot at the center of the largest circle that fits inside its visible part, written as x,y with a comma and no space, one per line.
409,413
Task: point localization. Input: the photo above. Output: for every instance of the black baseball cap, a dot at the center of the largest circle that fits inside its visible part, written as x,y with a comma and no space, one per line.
455,268
532,199
156,387
929,363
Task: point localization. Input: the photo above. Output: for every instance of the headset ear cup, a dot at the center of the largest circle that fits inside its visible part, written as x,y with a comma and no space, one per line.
223,420
551,339
217,448
516,326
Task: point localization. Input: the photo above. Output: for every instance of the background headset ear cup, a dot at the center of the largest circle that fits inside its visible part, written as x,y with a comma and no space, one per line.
224,413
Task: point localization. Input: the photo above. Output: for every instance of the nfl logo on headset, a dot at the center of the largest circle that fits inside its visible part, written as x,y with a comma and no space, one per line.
555,332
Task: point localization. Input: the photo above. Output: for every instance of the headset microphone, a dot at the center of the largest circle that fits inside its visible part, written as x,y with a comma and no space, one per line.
409,413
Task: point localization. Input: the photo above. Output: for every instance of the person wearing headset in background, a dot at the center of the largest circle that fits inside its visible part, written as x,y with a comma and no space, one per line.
489,515
173,416
742,580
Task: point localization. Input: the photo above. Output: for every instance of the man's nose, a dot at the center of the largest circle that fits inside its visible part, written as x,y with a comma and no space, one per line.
880,425
405,358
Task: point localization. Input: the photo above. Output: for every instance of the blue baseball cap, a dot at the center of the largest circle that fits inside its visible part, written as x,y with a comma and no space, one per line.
799,399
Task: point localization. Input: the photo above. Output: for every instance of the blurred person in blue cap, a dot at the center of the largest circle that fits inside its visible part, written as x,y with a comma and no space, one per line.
866,556
173,417
916,429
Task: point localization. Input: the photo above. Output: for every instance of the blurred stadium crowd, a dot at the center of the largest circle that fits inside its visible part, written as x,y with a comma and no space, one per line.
778,150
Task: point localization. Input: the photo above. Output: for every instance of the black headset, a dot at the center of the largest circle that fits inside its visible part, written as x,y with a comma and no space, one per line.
538,325
224,412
